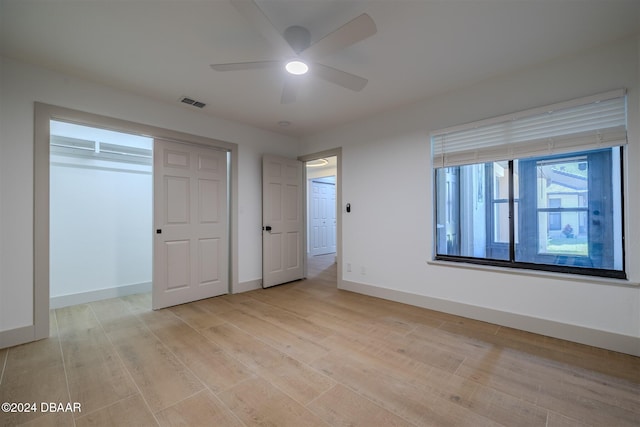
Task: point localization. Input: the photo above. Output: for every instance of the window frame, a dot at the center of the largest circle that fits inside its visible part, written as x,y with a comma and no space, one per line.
511,262
573,127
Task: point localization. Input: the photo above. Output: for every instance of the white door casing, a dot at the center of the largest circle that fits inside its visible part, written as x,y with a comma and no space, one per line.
282,220
322,217
191,243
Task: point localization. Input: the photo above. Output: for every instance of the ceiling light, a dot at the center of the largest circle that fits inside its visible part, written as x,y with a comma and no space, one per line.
317,163
296,67
284,123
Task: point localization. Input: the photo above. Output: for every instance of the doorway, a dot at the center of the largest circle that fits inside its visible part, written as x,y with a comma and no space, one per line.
321,206
100,214
324,168
44,114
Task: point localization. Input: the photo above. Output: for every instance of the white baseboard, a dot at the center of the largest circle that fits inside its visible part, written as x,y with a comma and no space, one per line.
580,334
97,295
250,285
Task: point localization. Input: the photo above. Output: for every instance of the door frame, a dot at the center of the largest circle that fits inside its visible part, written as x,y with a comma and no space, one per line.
43,113
337,153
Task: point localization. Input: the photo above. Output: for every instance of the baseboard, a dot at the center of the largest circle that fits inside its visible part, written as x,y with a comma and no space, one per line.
17,336
250,285
97,295
579,334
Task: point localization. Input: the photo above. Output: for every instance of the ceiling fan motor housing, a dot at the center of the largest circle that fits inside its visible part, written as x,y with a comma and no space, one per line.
298,38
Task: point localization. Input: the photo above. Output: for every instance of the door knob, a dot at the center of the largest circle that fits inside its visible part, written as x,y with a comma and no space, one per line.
267,228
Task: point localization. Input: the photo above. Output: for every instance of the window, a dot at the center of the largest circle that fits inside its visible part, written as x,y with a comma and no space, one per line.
546,195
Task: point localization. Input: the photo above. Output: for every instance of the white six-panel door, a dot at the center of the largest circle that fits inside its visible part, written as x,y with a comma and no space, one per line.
191,246
282,221
322,217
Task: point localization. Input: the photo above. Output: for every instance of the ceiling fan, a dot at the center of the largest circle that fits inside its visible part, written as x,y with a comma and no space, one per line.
298,54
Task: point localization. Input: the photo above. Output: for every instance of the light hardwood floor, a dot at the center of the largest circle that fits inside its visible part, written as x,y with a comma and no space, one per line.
307,354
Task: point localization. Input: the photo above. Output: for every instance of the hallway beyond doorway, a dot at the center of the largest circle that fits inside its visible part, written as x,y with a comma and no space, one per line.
323,268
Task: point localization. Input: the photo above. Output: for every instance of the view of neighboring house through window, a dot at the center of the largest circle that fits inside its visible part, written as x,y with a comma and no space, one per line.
561,211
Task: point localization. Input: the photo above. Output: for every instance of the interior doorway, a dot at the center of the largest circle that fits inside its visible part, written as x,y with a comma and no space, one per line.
100,213
323,242
321,206
44,114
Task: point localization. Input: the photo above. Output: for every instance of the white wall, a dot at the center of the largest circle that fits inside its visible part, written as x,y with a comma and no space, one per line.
386,176
20,86
101,224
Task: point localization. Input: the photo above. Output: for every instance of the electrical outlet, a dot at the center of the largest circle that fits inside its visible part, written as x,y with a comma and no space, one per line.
363,271
348,267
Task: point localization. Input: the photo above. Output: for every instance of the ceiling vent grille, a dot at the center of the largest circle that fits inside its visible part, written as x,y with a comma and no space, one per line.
190,101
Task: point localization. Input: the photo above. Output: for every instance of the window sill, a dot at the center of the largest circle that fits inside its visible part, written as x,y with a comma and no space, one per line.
536,273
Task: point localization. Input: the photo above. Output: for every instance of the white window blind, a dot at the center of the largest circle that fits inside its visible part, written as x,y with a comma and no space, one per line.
597,121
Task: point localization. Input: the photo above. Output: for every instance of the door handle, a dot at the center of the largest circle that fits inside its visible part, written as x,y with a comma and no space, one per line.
267,228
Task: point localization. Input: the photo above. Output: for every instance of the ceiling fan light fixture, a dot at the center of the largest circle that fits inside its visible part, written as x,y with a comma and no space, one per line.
296,67
317,163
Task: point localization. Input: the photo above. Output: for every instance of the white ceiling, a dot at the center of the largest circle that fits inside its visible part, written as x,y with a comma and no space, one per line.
162,48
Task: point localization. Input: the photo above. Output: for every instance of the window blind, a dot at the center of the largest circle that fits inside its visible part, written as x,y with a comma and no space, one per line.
597,121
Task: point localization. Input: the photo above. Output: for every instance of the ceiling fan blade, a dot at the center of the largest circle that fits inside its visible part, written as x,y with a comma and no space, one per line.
338,77
352,32
290,91
256,17
245,65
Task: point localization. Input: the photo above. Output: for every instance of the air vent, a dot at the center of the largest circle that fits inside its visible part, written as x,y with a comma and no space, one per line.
189,101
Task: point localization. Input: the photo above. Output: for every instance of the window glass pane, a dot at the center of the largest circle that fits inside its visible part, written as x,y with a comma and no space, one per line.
501,222
447,214
464,201
563,183
568,215
566,241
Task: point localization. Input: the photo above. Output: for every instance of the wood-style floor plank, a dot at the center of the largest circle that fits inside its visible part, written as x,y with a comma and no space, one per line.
202,409
486,401
404,395
198,316
33,373
259,403
293,323
159,374
557,387
131,411
95,374
114,314
213,366
3,359
295,378
343,407
296,346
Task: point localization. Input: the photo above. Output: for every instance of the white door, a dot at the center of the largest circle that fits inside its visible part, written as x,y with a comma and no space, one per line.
322,217
282,221
191,249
